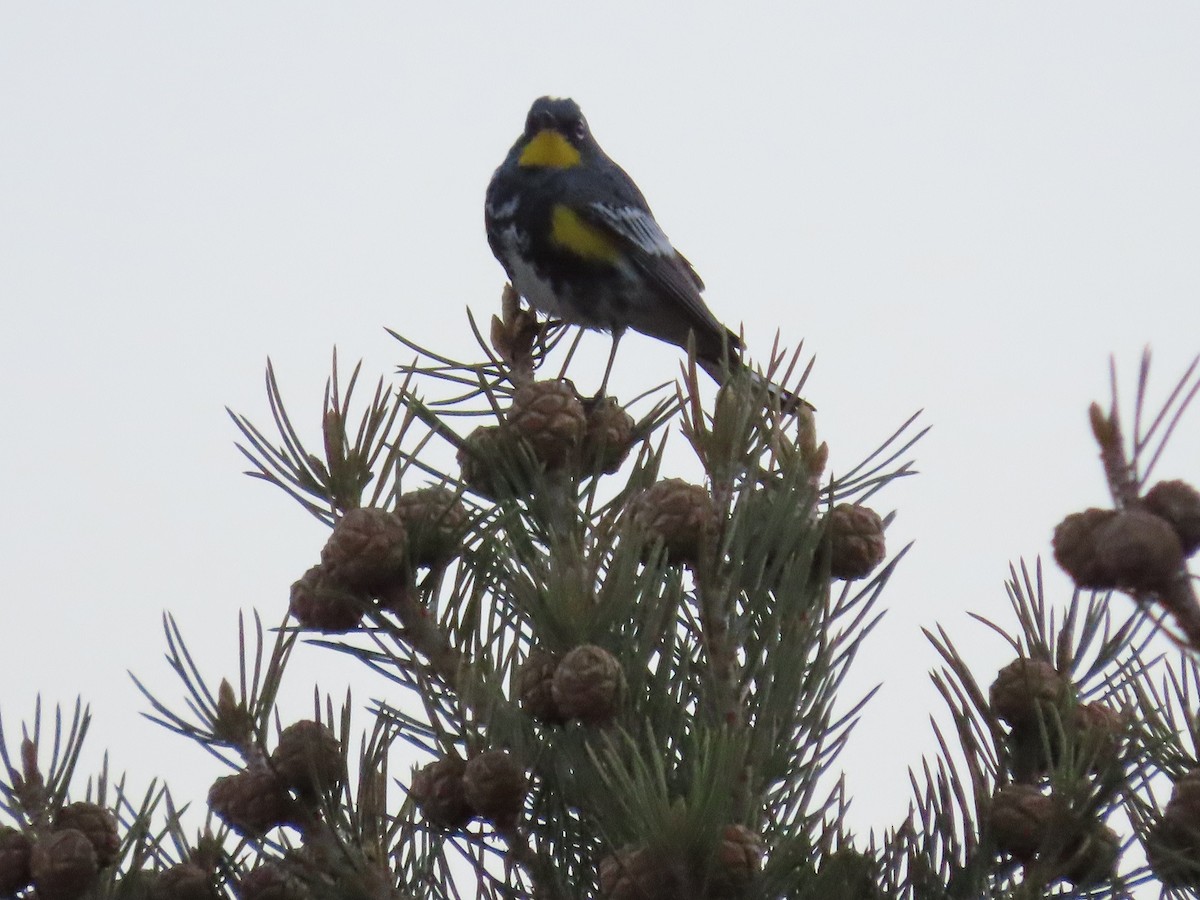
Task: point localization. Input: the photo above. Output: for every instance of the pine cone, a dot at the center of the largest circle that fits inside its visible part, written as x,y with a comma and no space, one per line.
679,514
533,680
1184,806
15,847
1026,689
1173,849
97,824
1140,551
739,859
1178,503
856,542
588,685
482,459
1021,818
324,604
252,802
435,520
634,873
1075,548
741,851
1092,859
185,881
308,758
63,865
438,791
269,881
549,415
609,436
494,784
367,551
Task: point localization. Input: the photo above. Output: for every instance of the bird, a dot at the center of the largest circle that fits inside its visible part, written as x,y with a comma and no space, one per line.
578,241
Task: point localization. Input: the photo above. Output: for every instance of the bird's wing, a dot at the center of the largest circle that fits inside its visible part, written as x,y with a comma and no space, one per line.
650,250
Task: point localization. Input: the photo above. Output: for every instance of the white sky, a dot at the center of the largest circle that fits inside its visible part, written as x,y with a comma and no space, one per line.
960,207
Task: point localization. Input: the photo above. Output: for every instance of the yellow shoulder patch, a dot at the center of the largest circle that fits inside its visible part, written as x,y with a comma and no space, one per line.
549,149
570,232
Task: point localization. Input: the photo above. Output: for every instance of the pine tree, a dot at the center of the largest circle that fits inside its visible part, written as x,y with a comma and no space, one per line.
619,684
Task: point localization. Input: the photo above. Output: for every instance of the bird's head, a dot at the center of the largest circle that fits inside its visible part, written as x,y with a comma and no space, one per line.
556,134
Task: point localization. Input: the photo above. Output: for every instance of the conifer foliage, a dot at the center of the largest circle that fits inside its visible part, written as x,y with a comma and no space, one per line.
620,683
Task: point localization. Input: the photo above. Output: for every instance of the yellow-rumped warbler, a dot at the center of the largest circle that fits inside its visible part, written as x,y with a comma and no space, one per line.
579,242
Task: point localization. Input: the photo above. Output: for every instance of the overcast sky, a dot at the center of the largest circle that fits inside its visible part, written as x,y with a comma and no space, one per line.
958,207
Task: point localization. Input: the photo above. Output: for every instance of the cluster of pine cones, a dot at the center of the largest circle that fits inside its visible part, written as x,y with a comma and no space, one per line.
1031,818
1140,549
369,562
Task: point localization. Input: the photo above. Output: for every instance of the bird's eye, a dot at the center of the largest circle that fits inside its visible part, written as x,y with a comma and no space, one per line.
579,129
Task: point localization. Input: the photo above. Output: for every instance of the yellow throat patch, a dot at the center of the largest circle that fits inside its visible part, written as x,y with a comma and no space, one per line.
549,149
570,232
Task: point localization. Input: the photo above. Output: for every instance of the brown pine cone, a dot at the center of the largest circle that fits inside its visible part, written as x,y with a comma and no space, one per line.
494,784
97,824
324,604
1092,859
549,415
1174,845
1173,848
15,847
739,859
1178,503
438,791
1184,806
308,758
856,542
533,681
609,436
252,802
634,873
1140,551
1021,819
269,881
588,685
367,550
680,514
435,520
63,865
1076,550
482,461
1026,689
741,850
184,881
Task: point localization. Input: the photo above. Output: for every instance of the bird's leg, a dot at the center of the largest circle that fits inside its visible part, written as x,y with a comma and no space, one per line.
612,355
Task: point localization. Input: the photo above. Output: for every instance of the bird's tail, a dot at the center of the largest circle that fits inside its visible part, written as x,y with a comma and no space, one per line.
734,367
